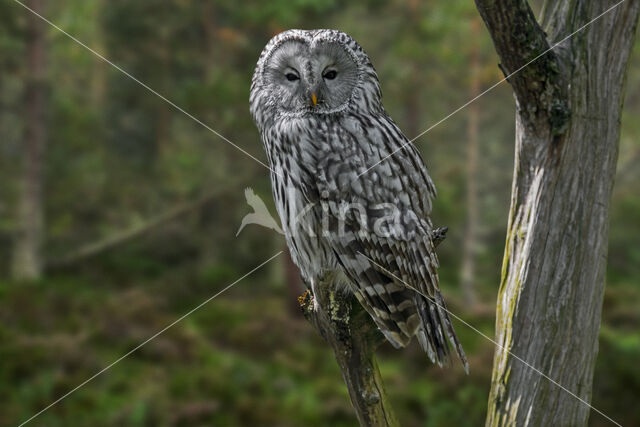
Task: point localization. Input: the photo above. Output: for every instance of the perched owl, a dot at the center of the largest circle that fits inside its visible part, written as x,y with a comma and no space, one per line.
316,100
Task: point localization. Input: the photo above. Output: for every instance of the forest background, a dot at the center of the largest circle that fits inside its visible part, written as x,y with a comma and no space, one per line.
142,204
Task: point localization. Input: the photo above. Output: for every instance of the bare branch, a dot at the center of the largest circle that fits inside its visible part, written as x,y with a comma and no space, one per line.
124,236
354,337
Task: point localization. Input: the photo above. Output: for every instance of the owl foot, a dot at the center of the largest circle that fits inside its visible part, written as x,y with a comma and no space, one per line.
306,301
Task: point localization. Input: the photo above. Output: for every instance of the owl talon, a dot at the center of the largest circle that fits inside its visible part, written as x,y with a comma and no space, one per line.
305,300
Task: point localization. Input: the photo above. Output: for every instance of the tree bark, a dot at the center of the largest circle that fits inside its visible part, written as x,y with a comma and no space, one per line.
354,337
27,250
349,330
568,107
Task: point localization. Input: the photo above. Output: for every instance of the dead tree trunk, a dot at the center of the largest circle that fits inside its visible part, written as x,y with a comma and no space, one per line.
27,256
349,330
568,105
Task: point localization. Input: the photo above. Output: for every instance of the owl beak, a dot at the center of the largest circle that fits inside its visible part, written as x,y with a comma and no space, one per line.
314,99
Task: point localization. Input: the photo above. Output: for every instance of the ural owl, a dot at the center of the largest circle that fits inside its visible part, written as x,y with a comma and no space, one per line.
316,100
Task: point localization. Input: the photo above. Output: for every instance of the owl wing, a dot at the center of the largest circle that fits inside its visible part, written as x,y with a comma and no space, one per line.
381,233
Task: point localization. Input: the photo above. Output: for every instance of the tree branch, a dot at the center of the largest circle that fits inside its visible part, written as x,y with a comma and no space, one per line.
349,330
354,337
124,236
540,89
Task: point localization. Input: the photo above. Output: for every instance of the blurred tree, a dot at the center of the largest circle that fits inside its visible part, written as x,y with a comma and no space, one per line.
29,235
471,230
569,104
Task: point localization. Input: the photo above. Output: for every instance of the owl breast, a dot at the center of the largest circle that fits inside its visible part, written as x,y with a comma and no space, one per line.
295,146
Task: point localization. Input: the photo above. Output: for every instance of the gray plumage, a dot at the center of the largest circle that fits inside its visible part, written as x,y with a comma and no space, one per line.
316,100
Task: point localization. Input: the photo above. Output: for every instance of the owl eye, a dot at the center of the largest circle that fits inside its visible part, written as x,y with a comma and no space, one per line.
291,77
330,75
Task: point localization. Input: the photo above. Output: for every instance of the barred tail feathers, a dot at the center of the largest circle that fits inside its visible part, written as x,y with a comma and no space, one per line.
436,332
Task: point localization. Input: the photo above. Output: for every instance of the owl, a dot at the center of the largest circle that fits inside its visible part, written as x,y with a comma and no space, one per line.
346,208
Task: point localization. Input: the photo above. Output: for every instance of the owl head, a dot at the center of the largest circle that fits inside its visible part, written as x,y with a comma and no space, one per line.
316,72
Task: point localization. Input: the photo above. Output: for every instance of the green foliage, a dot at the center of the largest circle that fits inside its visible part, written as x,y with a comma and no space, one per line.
237,361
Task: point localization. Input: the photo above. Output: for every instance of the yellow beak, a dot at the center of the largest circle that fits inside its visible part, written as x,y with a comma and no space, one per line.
314,99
